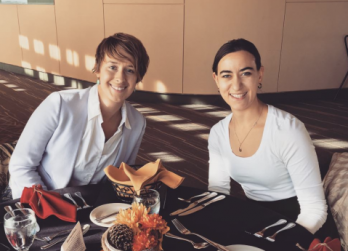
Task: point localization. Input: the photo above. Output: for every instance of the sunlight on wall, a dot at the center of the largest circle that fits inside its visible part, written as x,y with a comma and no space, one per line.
89,62
76,84
24,42
29,72
58,80
54,51
42,73
72,57
164,118
160,87
140,86
38,68
26,64
39,47
166,157
3,81
189,127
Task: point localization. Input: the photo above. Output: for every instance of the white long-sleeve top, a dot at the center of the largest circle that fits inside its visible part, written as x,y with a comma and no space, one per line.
94,153
285,165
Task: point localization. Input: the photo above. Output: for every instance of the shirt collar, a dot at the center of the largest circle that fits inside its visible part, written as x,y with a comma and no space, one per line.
94,107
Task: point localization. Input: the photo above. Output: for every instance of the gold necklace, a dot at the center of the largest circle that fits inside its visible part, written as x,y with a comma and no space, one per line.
234,127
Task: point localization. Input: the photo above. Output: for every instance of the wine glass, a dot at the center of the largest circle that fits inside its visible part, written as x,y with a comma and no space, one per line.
150,198
20,228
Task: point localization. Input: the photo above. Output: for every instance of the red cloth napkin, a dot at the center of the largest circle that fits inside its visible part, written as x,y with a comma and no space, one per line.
46,203
328,245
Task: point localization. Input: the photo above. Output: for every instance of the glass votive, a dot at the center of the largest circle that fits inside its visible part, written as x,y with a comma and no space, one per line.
150,198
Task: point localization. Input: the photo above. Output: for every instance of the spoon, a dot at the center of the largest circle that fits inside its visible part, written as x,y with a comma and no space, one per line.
195,245
9,210
19,206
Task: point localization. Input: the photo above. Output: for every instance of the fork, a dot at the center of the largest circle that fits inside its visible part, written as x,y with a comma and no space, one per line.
68,195
52,236
262,232
78,194
85,229
185,231
196,196
288,226
195,245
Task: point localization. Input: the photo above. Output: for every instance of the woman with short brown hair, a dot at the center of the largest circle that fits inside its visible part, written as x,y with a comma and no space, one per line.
74,134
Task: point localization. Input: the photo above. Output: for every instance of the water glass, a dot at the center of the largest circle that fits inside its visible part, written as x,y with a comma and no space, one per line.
149,198
20,228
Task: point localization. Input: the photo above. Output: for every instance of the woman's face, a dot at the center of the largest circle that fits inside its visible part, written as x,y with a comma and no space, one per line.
237,79
117,78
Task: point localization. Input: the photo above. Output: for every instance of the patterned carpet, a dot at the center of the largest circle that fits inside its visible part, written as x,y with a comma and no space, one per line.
178,134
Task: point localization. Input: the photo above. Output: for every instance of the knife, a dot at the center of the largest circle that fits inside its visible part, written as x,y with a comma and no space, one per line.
179,211
193,210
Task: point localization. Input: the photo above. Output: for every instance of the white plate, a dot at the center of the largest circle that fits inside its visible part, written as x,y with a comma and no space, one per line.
243,248
105,210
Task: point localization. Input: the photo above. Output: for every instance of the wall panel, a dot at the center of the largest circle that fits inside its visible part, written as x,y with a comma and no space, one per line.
80,28
313,53
10,51
38,27
210,23
145,1
160,28
306,1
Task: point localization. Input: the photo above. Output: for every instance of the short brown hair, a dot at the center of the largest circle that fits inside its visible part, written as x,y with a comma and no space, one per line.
129,44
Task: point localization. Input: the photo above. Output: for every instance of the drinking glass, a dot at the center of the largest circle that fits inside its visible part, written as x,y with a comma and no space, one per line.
20,228
150,198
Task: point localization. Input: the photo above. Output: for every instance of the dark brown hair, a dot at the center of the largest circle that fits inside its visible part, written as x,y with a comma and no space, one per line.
235,45
111,46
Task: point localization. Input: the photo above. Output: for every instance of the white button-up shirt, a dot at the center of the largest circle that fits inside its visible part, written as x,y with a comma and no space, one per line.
94,153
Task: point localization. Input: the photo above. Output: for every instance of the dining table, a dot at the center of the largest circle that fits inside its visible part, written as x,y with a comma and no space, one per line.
231,221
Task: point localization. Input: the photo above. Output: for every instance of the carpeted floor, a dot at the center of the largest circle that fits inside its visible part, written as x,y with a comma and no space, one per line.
178,134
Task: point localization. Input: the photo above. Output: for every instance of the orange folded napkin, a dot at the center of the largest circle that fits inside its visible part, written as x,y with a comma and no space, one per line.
147,174
46,203
328,245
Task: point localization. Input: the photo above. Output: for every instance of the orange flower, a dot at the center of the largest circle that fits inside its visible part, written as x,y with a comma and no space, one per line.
144,240
132,216
153,221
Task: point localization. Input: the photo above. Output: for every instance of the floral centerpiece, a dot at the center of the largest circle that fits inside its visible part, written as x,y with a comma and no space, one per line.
137,230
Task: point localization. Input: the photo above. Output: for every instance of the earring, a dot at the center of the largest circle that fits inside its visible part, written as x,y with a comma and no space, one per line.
260,86
134,90
98,82
218,90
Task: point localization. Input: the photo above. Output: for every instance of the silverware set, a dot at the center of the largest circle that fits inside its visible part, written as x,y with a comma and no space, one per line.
85,229
79,195
180,227
261,233
192,207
